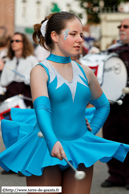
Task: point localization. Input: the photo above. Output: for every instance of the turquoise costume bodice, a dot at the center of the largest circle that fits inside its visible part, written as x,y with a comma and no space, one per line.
68,101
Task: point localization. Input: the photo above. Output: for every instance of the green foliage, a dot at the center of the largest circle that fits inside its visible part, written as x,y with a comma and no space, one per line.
93,8
55,8
80,15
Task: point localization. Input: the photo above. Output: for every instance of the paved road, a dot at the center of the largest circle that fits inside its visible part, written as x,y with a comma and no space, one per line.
100,173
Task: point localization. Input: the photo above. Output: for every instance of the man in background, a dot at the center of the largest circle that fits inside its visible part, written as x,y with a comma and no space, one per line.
116,127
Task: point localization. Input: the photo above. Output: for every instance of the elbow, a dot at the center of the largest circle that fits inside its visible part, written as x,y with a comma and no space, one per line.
107,109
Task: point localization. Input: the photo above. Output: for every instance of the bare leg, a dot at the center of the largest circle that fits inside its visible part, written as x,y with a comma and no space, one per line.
71,185
51,176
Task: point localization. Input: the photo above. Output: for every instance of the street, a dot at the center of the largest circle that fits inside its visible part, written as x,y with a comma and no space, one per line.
100,173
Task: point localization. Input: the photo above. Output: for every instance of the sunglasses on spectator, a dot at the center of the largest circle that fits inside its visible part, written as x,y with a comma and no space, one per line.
124,26
16,41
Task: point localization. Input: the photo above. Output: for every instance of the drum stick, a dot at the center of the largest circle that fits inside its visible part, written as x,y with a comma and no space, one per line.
125,90
119,102
79,175
24,97
14,71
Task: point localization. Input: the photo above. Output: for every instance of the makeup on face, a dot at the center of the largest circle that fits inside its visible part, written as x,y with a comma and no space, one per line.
76,33
73,33
66,33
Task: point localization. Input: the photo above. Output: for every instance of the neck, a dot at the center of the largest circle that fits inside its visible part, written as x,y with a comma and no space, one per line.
58,59
18,54
125,42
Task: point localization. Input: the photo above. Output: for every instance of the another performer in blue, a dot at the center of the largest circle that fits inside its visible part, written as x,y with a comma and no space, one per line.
61,90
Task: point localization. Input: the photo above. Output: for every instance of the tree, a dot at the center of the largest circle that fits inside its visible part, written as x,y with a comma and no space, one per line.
55,8
93,8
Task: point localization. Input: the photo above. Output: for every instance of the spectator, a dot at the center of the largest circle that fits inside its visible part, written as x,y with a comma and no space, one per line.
41,53
116,127
21,59
3,52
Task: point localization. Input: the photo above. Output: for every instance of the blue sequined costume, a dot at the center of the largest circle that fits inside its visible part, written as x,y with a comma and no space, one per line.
27,153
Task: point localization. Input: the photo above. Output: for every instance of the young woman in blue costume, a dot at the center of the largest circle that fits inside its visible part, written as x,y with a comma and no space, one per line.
61,90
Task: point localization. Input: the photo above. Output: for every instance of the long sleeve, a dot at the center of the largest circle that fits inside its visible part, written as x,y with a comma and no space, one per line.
43,113
102,111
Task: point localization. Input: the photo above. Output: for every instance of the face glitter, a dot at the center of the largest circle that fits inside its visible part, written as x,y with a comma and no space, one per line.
65,34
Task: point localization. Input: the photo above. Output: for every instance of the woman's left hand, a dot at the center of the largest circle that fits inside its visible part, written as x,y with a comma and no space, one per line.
88,125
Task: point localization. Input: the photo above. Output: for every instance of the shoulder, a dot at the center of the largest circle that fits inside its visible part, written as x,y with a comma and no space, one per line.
89,73
30,57
83,67
10,62
87,70
38,69
38,72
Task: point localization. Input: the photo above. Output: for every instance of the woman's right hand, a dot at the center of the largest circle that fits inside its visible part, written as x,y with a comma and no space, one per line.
58,151
88,125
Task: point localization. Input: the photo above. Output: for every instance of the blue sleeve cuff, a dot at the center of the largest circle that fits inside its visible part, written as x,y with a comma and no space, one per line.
43,113
102,111
99,102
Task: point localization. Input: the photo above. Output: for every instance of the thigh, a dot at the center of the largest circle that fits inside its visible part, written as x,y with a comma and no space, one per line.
51,176
71,185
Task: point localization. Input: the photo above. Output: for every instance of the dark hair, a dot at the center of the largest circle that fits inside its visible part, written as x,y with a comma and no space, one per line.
56,22
28,48
2,41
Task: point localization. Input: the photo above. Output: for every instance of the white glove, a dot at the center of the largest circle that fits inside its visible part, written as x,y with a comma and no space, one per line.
27,80
125,90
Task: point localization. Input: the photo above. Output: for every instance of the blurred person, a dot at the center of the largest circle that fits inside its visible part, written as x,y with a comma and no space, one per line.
21,59
95,48
3,52
8,39
116,127
3,59
41,53
114,41
124,7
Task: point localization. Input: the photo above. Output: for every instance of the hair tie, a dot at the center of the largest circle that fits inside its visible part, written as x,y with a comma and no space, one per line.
43,28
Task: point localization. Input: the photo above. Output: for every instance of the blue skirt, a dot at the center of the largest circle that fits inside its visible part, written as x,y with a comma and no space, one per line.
27,153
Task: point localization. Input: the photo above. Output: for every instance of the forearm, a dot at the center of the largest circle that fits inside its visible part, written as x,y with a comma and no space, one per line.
102,111
43,113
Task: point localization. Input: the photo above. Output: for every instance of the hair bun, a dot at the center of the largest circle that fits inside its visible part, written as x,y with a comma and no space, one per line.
37,28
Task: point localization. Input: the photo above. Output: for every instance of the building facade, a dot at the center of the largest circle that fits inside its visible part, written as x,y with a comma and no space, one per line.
7,17
21,15
30,12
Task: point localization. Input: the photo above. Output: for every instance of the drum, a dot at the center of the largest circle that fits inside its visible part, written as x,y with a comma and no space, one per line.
111,72
13,102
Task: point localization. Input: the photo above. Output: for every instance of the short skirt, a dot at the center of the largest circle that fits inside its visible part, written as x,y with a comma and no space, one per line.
27,153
